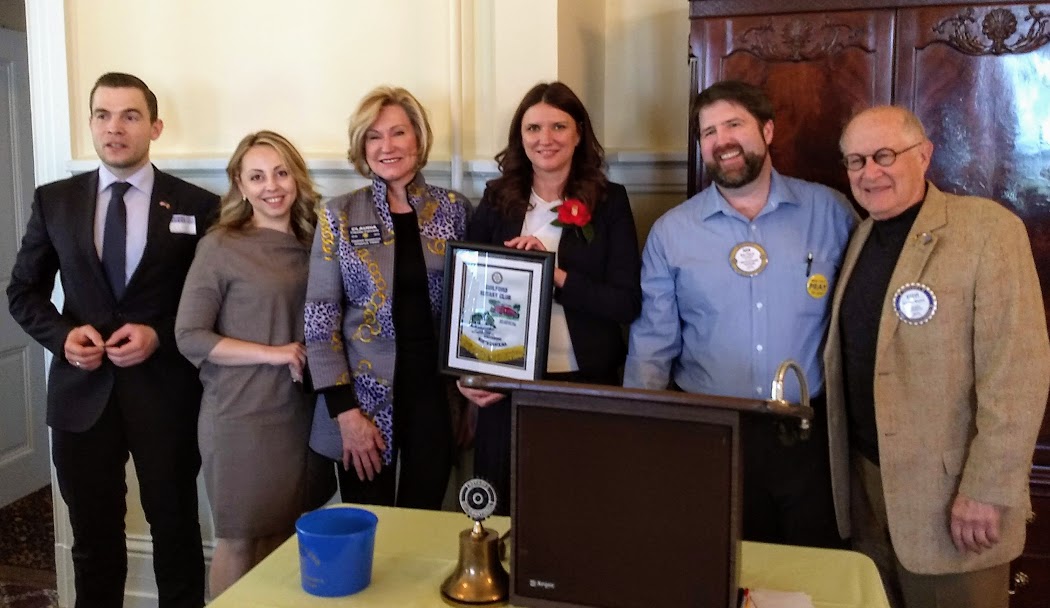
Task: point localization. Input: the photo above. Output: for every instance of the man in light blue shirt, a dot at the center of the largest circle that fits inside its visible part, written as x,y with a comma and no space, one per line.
735,280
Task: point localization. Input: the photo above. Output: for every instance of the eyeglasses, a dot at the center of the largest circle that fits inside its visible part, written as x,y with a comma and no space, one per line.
884,157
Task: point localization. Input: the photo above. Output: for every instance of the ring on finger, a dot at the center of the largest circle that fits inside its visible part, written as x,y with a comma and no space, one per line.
77,363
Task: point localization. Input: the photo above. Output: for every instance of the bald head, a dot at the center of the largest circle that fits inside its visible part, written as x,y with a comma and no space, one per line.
889,156
895,117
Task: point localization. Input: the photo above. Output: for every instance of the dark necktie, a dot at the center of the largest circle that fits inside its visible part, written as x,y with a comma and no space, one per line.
115,239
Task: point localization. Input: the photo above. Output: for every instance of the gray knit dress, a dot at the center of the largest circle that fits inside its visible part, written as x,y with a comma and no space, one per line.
254,422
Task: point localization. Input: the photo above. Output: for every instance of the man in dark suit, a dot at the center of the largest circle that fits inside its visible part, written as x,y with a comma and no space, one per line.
122,239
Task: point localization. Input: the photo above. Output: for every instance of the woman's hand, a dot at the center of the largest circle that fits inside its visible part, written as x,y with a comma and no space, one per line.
362,443
531,243
293,355
528,243
479,397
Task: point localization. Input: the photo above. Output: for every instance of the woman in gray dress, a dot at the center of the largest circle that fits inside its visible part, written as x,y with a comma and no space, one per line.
240,321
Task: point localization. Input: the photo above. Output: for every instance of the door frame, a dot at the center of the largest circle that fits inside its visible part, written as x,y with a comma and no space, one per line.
52,151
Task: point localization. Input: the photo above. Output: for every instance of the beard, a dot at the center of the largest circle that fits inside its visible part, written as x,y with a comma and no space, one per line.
736,178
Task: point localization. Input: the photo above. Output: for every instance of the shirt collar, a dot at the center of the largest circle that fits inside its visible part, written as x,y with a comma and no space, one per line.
779,193
141,180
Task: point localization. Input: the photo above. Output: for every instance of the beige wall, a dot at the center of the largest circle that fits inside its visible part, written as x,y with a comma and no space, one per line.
646,75
222,69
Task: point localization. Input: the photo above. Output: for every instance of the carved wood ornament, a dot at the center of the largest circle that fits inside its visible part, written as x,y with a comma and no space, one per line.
799,42
997,26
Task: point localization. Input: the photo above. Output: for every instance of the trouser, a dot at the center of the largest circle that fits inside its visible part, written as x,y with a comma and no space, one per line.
787,488
987,588
91,478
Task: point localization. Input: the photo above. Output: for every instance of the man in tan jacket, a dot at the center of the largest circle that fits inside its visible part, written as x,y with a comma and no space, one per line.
937,365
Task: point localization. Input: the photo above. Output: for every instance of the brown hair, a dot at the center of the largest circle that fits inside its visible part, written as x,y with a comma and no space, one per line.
751,98
587,181
120,80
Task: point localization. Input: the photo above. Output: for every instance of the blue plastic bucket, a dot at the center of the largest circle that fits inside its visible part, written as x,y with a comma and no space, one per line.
335,550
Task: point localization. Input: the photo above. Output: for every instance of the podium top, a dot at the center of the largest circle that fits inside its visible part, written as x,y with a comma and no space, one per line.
754,406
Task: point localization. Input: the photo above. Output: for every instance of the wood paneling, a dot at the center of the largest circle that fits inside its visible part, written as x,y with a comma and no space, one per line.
978,79
818,70
978,76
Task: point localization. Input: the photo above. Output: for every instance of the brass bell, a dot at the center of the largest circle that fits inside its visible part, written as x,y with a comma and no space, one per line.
479,577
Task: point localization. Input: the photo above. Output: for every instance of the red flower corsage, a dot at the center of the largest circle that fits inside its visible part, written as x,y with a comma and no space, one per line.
574,213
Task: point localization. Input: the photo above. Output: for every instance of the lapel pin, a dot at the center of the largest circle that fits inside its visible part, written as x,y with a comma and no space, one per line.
165,205
925,238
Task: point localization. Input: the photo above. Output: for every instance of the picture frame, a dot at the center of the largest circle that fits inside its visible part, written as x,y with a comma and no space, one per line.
496,315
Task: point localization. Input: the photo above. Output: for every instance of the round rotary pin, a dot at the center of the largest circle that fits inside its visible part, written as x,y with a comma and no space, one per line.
914,303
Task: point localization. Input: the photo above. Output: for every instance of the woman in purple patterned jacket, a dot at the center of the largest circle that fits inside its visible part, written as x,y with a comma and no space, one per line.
372,307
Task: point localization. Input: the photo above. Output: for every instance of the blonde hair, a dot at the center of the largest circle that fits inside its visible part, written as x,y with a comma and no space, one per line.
368,110
236,212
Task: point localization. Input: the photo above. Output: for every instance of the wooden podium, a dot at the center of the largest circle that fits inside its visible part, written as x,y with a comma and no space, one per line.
625,497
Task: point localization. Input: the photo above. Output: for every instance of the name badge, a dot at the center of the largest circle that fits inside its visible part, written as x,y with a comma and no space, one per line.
915,303
183,224
361,236
748,259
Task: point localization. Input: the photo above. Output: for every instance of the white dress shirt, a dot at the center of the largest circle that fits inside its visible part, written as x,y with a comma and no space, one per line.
560,356
136,201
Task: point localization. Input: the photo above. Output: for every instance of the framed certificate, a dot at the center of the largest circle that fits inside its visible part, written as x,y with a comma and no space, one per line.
497,310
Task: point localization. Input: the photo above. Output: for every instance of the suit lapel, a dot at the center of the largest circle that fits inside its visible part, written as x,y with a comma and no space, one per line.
511,227
922,240
566,243
84,200
159,219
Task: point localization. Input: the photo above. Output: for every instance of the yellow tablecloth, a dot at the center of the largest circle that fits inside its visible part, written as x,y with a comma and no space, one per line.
416,550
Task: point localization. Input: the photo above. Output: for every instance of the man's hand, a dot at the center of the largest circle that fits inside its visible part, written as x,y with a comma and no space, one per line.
362,443
131,344
974,525
84,348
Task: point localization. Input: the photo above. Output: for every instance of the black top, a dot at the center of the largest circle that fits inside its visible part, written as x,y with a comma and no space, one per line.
413,320
860,312
417,384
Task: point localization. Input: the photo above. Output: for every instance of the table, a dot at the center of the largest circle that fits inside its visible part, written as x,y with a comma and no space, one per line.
416,550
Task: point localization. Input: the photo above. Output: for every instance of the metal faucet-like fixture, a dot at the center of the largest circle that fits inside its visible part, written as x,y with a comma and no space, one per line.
776,392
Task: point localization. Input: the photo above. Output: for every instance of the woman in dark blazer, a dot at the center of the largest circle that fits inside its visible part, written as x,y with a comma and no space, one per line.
553,195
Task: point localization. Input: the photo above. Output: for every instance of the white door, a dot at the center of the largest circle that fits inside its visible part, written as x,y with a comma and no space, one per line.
24,462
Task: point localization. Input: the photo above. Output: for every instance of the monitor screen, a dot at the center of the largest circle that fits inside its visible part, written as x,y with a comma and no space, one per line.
619,508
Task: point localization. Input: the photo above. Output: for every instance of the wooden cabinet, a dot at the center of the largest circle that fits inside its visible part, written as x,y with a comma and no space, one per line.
976,73
1030,573
817,69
